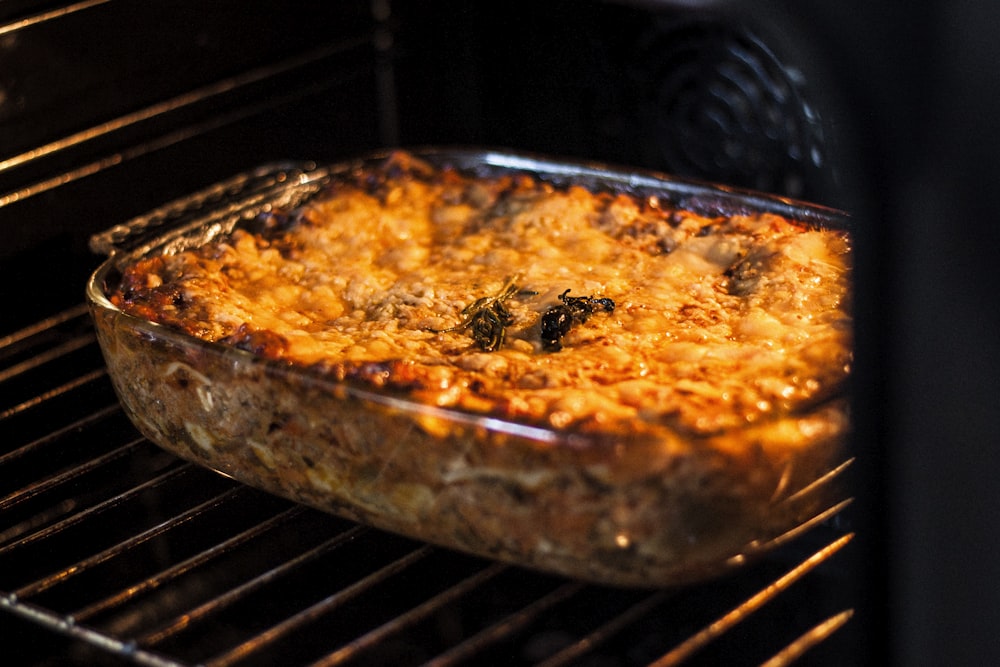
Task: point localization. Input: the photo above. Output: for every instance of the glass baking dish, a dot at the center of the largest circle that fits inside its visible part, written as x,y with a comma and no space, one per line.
629,512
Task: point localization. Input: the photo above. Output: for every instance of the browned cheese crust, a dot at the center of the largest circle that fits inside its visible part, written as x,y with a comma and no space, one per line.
718,323
682,375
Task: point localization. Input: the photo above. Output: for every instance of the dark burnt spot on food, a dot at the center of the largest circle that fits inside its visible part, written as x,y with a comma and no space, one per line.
675,218
275,222
393,374
654,235
397,167
511,195
515,491
666,244
371,182
286,248
743,277
280,419
477,195
136,280
178,298
262,343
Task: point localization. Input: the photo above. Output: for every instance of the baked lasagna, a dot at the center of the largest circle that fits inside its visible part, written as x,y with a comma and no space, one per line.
664,377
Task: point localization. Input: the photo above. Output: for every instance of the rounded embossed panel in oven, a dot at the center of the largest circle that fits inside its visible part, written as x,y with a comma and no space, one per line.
723,106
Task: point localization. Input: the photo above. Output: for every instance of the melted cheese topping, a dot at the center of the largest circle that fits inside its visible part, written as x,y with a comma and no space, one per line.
718,322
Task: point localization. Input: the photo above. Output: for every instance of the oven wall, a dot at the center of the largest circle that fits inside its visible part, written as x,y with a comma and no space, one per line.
694,91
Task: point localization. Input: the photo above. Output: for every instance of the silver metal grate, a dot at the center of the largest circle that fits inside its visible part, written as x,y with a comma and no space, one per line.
124,552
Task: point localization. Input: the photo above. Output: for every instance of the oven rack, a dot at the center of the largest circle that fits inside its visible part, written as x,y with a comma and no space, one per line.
115,552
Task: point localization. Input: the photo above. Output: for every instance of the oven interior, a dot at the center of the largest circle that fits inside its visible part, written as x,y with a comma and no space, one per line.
113,552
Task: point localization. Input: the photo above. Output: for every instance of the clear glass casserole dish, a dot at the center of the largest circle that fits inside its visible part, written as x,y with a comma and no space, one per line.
638,507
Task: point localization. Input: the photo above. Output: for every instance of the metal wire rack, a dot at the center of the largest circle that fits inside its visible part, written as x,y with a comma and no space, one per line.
126,553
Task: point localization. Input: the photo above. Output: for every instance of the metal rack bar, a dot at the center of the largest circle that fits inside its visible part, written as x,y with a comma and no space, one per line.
83,515
808,640
400,622
142,537
506,627
69,475
50,355
319,609
60,432
700,639
184,566
597,637
16,341
62,389
226,599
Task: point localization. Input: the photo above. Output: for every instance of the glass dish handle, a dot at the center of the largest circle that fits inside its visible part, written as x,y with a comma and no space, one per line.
241,196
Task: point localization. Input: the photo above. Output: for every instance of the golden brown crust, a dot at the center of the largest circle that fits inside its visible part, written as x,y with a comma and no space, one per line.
716,323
